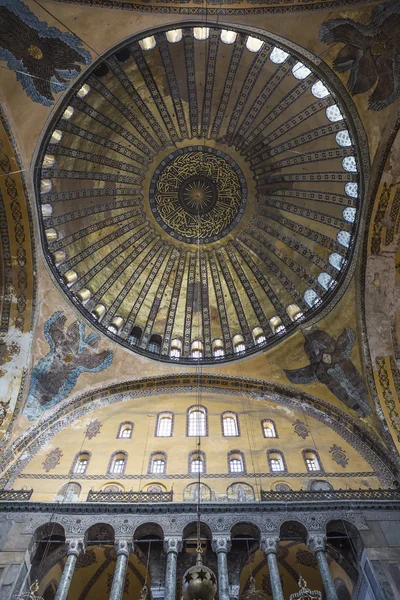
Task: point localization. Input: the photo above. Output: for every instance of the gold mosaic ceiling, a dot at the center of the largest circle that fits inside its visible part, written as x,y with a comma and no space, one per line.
198,193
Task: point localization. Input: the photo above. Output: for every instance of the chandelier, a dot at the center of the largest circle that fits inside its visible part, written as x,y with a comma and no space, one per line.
253,593
305,593
29,594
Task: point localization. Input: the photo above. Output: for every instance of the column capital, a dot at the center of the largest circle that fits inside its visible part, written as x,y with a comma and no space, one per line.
74,546
122,546
269,544
317,542
172,544
221,544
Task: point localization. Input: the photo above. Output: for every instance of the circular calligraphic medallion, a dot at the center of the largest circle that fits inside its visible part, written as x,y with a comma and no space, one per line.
198,194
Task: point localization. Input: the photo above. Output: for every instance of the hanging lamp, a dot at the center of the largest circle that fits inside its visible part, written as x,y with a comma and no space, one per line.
305,593
30,594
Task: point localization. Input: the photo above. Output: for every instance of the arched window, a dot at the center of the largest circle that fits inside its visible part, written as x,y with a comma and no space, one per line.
238,343
276,461
343,237
125,430
158,463
259,335
253,44
164,425
154,344
174,35
319,90
333,113
276,325
311,460
83,91
148,43
336,260
236,462
176,349
218,348
269,429
197,421
343,138
300,71
349,164
201,33
197,349
117,462
69,492
197,462
115,325
351,189
228,36
81,463
230,426
325,280
135,336
294,312
278,56
311,298
349,214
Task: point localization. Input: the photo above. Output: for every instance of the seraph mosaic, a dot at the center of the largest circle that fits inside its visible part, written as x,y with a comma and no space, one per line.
44,58
56,374
331,365
371,53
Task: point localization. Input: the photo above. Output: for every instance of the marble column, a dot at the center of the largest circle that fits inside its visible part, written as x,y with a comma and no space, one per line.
118,582
270,545
172,545
74,549
316,543
222,545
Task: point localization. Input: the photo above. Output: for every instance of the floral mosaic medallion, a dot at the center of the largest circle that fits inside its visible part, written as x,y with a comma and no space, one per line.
93,429
85,559
306,558
52,459
370,52
54,377
301,429
339,455
44,58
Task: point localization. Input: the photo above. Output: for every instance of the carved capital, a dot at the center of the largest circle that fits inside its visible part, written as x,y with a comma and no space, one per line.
269,545
122,546
221,544
172,544
317,542
74,547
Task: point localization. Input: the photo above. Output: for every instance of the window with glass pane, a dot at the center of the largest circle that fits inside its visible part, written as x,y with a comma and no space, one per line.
276,464
269,429
158,466
197,423
312,464
229,424
81,465
197,465
236,465
164,427
118,466
126,433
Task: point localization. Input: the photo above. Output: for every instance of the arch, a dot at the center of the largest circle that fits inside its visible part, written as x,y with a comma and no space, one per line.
155,487
276,461
236,462
154,344
259,335
344,424
230,424
197,462
135,336
240,492
69,492
164,424
176,348
269,428
293,530
148,530
238,343
125,430
117,463
100,533
157,463
196,421
276,325
320,485
80,463
218,348
196,349
312,460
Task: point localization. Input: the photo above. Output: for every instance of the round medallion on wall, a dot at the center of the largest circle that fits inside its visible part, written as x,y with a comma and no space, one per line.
198,194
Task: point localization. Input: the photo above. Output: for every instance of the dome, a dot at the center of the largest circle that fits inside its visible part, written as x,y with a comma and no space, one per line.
198,193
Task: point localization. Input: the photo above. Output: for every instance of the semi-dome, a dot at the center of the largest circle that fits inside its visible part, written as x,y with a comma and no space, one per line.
198,192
